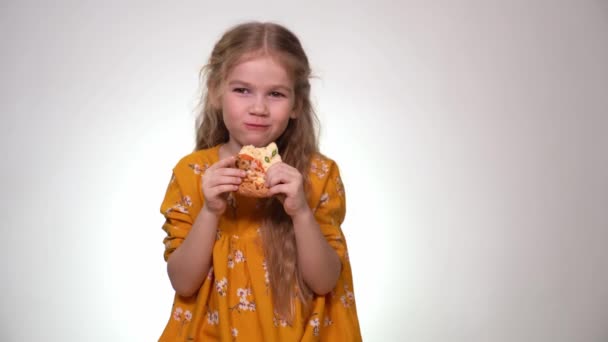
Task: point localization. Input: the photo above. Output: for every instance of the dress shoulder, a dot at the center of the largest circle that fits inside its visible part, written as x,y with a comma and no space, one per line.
198,161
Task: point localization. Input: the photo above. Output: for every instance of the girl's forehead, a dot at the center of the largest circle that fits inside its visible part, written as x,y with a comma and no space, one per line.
261,68
259,54
276,57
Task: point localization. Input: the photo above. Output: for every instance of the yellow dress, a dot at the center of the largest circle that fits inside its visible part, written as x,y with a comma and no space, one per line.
234,302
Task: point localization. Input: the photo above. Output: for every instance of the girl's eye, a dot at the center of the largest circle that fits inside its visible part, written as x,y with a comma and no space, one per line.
241,90
276,94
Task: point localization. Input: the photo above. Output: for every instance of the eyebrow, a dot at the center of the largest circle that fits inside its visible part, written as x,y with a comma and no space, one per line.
249,85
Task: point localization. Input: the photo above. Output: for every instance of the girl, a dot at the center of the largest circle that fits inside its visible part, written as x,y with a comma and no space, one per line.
248,269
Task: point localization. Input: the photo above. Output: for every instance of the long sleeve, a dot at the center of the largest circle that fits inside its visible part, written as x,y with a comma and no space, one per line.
181,204
334,316
331,208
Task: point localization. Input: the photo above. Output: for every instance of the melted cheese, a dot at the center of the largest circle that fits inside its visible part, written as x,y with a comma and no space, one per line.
268,155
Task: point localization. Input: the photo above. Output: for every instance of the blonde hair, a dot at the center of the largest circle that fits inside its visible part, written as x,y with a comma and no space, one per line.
296,145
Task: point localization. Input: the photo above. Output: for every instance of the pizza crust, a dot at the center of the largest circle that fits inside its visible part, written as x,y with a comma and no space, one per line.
251,189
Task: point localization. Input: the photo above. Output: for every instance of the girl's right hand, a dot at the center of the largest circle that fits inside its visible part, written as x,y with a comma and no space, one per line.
220,179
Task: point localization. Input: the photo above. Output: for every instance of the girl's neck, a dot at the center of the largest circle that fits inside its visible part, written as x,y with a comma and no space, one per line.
231,148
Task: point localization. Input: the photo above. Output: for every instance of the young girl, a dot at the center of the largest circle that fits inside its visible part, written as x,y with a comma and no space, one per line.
247,269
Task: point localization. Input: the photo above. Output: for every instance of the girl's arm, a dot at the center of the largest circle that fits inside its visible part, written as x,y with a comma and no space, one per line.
318,261
189,264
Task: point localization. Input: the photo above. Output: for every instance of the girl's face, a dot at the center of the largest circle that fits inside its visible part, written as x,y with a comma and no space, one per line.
257,102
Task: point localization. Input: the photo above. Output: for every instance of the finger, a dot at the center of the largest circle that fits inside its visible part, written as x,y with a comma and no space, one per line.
279,189
228,180
280,166
281,176
226,162
223,180
231,172
275,166
220,189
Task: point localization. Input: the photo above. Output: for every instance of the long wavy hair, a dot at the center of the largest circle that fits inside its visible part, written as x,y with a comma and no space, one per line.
297,144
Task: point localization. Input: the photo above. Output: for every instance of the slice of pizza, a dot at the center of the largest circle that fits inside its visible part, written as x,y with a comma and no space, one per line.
256,161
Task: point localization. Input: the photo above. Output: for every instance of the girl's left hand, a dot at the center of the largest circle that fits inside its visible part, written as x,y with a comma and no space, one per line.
288,181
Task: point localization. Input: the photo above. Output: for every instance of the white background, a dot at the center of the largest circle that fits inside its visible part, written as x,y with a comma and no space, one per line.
472,137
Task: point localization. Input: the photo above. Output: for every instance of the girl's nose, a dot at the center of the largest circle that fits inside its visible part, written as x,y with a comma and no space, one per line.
259,106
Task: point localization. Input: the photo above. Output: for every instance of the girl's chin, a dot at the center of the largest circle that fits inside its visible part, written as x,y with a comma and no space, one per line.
257,142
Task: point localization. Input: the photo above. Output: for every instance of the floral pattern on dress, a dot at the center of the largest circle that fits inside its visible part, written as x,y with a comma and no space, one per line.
210,273
213,317
197,169
279,322
339,186
244,303
235,256
221,286
314,323
184,317
319,167
323,200
348,298
182,206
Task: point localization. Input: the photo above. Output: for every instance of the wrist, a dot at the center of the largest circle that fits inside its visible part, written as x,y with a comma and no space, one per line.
208,214
302,216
